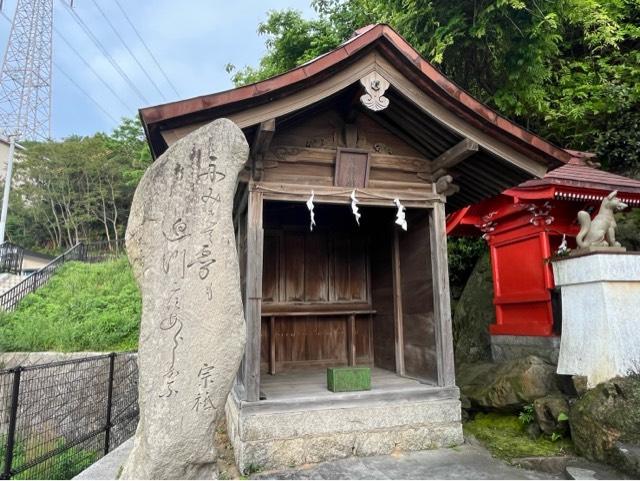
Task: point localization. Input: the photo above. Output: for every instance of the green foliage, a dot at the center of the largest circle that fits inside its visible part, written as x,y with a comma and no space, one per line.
77,188
84,307
527,415
628,231
463,253
556,436
64,465
505,436
563,417
568,69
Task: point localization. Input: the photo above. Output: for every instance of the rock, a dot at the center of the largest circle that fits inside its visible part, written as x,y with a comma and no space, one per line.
472,315
507,386
549,410
605,423
579,384
181,244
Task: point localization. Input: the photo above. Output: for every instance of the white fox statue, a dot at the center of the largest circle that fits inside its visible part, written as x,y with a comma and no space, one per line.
601,231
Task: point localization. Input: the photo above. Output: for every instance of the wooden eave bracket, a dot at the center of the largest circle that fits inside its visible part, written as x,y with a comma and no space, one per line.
453,156
261,144
445,186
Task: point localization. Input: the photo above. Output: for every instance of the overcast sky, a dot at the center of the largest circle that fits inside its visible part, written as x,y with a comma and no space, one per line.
192,39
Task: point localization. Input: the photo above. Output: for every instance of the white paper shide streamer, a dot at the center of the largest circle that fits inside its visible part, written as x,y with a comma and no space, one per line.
310,206
354,207
400,216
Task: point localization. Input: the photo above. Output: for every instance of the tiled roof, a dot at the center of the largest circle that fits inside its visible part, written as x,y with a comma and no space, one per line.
583,176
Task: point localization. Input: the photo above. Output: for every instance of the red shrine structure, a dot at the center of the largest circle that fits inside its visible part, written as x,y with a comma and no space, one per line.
524,226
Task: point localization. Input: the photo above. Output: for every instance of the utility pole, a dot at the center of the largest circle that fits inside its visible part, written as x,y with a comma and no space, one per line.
25,82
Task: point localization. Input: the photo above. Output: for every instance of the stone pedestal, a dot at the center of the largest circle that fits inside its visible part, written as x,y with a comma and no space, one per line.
600,314
508,348
275,435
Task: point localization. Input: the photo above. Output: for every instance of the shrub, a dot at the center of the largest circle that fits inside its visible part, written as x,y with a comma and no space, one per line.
84,307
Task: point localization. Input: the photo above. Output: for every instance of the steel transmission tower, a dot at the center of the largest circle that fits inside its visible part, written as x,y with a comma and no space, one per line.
25,79
25,83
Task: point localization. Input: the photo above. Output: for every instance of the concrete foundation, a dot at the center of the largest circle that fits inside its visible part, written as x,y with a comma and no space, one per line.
600,315
507,348
276,435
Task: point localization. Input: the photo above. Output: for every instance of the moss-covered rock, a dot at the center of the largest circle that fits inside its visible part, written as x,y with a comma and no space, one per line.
605,421
472,315
509,385
552,414
506,437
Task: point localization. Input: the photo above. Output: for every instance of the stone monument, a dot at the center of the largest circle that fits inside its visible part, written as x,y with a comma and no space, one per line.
600,289
181,244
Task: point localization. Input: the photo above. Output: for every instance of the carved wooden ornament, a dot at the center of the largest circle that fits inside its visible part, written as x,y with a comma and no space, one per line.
375,86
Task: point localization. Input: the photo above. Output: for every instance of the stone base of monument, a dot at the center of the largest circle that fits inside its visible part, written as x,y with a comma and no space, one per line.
600,314
293,431
508,348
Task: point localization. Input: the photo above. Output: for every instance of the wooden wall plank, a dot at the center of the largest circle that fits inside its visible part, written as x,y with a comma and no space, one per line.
294,266
419,340
382,297
316,268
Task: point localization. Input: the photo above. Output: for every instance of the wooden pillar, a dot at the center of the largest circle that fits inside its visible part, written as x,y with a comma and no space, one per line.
272,345
253,300
441,301
397,304
351,340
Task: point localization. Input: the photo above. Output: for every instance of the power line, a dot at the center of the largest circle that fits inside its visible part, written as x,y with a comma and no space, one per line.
115,30
164,74
104,51
73,82
87,94
88,65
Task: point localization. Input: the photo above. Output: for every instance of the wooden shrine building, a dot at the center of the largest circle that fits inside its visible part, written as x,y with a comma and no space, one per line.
374,119
524,227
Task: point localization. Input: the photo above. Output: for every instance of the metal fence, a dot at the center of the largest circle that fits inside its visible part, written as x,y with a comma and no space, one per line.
11,256
10,298
57,419
83,251
104,250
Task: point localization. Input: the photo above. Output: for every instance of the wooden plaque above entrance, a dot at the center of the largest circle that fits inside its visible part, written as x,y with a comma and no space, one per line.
352,168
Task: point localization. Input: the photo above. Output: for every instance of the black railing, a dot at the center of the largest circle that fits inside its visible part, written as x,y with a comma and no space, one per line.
57,419
11,257
103,250
10,298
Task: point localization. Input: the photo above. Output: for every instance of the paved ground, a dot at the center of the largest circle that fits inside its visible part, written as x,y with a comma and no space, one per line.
463,462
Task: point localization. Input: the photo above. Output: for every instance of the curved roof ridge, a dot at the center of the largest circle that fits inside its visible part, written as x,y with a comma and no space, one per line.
439,85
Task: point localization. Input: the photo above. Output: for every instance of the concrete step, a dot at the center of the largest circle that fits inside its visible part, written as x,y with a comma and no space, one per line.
9,281
582,469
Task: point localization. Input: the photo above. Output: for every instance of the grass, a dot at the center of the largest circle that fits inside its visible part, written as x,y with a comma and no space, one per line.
505,436
84,307
64,465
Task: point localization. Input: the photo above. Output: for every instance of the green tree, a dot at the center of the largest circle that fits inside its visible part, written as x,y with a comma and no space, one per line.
77,188
567,69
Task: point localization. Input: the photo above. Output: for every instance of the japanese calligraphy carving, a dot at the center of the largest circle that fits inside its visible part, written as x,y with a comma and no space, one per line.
180,244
